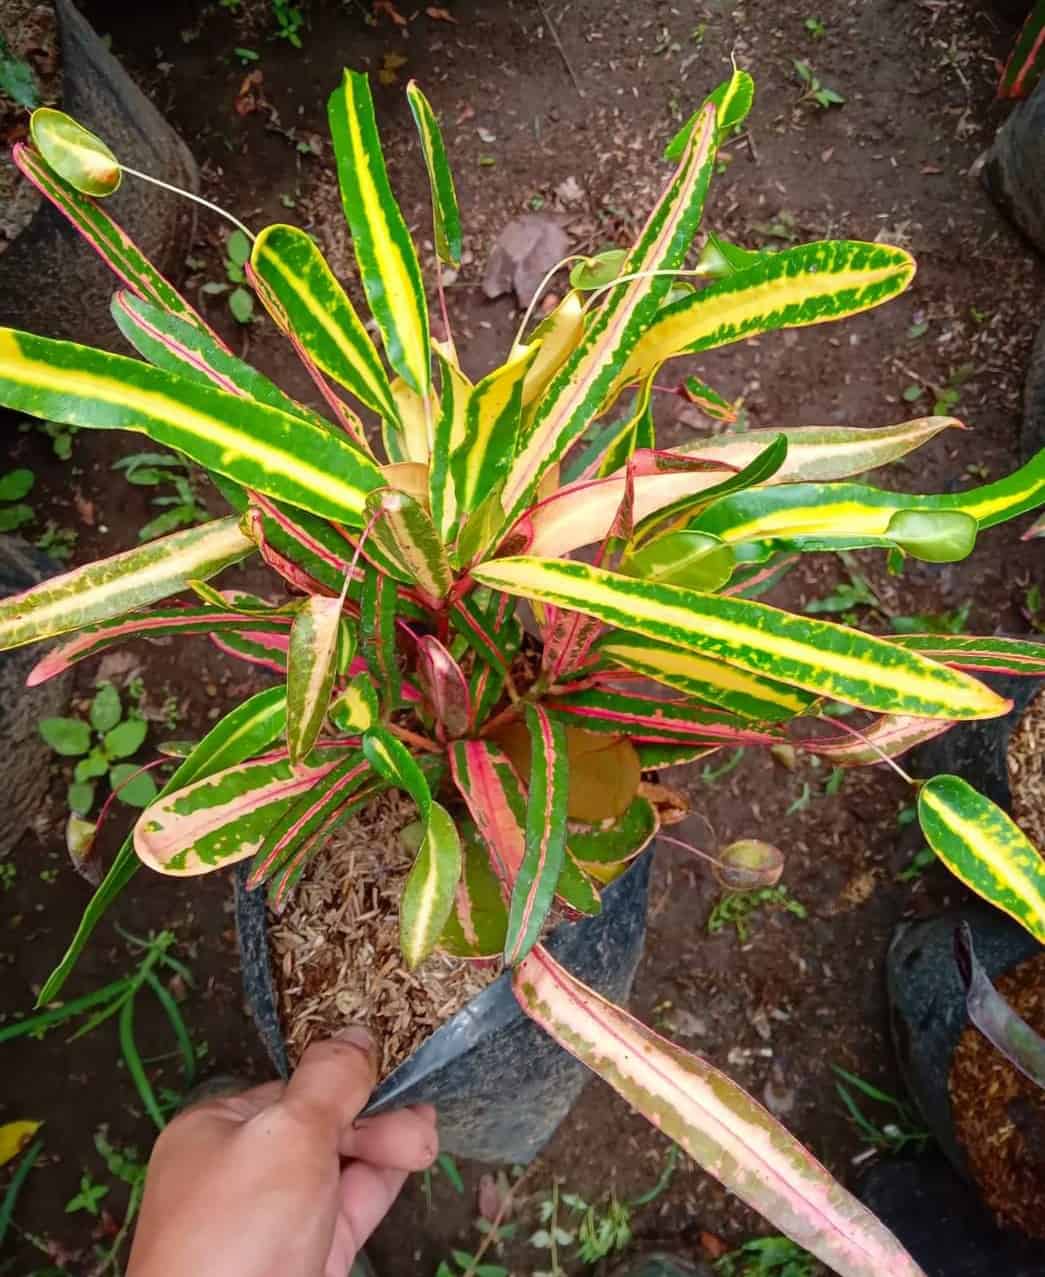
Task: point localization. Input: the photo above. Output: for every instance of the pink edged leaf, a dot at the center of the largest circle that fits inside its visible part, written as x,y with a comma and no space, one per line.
646,719
177,620
989,655
444,686
478,923
535,884
377,627
311,667
486,781
1036,529
890,736
224,818
256,648
713,1120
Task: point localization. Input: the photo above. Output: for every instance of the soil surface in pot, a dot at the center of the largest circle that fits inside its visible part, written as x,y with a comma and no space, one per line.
335,949
999,1115
1027,771
30,34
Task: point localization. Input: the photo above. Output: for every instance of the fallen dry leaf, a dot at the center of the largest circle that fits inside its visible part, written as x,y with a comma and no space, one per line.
389,10
250,97
390,64
712,1246
14,1136
440,15
84,508
466,113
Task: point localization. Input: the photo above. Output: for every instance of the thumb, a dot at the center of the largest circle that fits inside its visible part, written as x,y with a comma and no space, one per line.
333,1081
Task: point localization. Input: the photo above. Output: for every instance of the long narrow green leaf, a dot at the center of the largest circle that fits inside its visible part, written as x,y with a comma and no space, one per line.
827,659
493,418
546,804
251,727
135,1068
377,612
255,445
311,667
387,259
316,309
714,1121
446,217
979,844
100,591
15,1185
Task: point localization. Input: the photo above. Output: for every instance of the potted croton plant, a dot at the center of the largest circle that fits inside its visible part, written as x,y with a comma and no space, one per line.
404,664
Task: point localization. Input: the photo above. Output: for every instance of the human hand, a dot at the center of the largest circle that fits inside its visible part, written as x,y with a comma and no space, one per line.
281,1180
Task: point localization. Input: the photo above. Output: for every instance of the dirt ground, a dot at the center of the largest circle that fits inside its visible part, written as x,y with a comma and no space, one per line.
576,130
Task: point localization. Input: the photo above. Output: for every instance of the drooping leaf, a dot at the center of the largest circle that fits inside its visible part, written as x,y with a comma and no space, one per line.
99,591
580,388
644,719
311,667
257,446
891,735
245,731
267,650
815,655
713,1120
547,800
993,1016
311,304
982,846
428,896
731,100
77,155
388,265
446,217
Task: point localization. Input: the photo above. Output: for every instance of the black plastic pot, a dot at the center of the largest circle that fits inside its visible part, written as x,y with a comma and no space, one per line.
1014,166
500,1085
50,280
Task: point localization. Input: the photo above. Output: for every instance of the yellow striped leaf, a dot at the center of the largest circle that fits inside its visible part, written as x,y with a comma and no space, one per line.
558,334
317,311
251,443
979,844
76,155
106,589
450,431
713,1120
357,708
732,102
411,441
403,530
388,264
446,217
636,431
809,284
818,656
579,389
311,667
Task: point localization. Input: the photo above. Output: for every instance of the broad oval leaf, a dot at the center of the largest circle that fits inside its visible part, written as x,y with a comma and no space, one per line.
983,847
100,591
817,656
713,1120
74,153
697,560
444,686
311,667
934,536
591,273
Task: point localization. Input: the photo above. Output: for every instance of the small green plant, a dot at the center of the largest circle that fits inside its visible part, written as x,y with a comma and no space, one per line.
933,622
845,598
445,1166
180,508
900,1132
237,254
735,909
60,434
289,21
14,513
711,775
16,78
246,56
767,1257
922,860
8,874
813,90
816,28
1034,608
102,743
88,1198
57,541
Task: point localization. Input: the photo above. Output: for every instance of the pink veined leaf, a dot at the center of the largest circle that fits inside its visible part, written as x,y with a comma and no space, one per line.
294,530
713,1120
480,771
253,527
994,654
644,719
445,686
538,876
267,650
890,735
97,638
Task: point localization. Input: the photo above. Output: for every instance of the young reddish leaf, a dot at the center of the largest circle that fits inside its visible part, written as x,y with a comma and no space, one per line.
546,805
311,667
444,686
270,651
713,1120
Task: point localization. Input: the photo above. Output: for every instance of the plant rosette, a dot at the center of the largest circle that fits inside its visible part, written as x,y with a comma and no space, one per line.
401,658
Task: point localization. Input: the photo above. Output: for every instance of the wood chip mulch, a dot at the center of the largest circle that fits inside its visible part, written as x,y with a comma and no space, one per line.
1027,772
335,949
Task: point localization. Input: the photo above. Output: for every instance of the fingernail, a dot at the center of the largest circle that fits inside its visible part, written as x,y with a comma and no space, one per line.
357,1035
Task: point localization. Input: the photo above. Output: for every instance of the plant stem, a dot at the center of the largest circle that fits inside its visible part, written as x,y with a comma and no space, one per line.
415,739
196,199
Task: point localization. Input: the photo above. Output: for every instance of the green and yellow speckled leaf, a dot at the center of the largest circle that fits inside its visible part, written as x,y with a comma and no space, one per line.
403,530
830,660
388,264
979,844
311,668
256,446
314,308
446,217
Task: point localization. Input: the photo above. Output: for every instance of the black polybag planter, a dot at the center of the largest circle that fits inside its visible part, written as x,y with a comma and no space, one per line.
499,1084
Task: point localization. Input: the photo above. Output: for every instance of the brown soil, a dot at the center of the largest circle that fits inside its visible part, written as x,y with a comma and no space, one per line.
335,949
1027,771
1000,1114
800,995
31,34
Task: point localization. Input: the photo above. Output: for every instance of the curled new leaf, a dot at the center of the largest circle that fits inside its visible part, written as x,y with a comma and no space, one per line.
749,864
74,153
